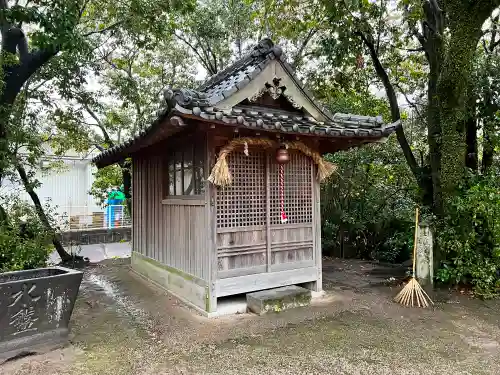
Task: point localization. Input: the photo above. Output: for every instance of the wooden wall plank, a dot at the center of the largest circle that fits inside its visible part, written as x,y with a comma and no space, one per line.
142,213
315,212
244,284
161,219
156,203
158,199
184,232
151,207
147,201
175,234
134,206
153,204
144,199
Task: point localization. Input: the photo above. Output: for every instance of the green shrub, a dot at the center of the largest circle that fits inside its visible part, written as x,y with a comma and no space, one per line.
24,243
367,207
469,238
396,247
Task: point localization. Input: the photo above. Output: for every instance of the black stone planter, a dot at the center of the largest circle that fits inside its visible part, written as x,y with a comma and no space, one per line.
35,308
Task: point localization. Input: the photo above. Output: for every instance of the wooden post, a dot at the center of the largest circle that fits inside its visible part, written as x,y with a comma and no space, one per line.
317,286
211,212
317,237
268,214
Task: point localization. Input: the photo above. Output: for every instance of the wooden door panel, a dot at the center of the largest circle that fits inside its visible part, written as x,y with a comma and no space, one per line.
245,217
241,252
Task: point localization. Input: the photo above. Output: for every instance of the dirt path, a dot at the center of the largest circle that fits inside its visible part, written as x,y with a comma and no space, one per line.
122,325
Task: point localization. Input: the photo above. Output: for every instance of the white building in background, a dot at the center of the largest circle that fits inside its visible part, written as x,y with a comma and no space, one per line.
65,187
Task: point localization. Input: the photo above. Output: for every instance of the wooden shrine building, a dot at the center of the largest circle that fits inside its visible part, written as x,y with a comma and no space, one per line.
217,209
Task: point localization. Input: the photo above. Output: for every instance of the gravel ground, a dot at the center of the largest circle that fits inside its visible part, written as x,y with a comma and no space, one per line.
123,325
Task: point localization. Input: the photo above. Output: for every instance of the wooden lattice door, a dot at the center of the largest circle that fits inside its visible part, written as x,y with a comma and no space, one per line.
292,243
250,235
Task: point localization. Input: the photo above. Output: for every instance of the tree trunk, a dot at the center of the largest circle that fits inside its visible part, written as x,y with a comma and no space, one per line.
471,155
450,105
4,218
65,256
434,125
420,173
471,161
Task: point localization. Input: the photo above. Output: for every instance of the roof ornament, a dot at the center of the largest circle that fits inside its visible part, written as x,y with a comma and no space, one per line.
186,98
275,90
263,47
266,46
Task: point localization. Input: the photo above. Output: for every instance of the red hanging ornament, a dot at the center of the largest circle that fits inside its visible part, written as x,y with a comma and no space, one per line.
283,216
282,157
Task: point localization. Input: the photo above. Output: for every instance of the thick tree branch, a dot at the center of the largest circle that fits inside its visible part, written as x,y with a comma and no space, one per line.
393,102
298,56
4,24
493,42
99,124
203,61
13,37
410,103
28,186
494,31
99,147
212,53
206,51
4,218
493,45
379,33
104,29
16,76
421,49
22,47
485,47
414,31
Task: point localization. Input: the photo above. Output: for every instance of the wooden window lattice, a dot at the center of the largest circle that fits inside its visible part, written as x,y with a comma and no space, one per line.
244,202
186,170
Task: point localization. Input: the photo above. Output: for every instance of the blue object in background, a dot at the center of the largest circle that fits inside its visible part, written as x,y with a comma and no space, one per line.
111,212
114,207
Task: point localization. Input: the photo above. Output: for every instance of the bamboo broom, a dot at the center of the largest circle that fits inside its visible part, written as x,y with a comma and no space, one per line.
413,293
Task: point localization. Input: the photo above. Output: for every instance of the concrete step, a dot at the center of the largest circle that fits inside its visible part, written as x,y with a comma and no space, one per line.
278,299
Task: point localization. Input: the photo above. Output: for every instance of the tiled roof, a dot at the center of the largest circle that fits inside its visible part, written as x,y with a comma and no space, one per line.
288,122
202,104
237,75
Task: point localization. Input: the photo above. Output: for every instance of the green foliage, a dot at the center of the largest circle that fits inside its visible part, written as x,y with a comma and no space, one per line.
367,206
106,178
216,31
470,238
24,242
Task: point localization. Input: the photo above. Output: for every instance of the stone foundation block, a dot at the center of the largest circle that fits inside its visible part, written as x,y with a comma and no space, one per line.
278,299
